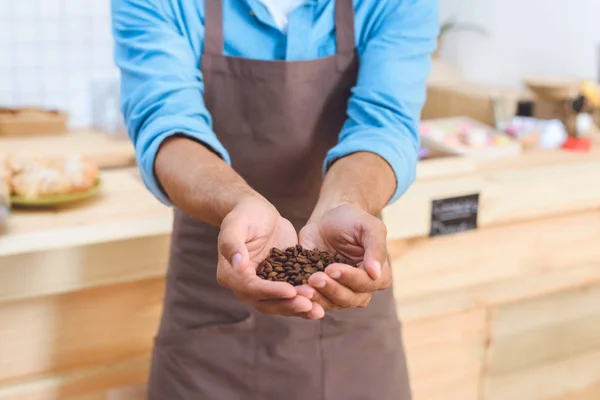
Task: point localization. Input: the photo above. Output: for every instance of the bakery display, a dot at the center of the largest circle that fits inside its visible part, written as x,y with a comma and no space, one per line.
34,178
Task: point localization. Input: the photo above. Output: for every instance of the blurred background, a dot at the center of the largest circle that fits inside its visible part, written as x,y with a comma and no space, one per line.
494,248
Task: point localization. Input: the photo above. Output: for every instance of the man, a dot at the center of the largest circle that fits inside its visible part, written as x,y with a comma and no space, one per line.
237,109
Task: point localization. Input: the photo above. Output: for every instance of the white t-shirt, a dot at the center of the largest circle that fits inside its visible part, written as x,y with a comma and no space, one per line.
281,10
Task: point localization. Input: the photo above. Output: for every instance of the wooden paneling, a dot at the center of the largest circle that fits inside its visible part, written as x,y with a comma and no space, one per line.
545,347
445,355
495,265
101,382
545,329
589,393
56,334
553,380
72,269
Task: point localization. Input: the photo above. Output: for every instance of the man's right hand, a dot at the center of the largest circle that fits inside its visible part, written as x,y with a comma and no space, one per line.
200,184
248,233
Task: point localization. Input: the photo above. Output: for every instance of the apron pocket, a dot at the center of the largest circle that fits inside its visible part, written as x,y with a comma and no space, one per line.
365,360
212,362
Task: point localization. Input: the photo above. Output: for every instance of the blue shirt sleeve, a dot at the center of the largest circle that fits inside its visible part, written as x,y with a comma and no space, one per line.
161,84
385,107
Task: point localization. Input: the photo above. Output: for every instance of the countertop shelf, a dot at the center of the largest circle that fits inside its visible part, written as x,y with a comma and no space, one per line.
123,210
533,185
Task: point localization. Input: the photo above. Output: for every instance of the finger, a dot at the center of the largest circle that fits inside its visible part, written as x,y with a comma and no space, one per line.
256,289
232,241
357,279
316,297
374,234
337,293
317,312
291,307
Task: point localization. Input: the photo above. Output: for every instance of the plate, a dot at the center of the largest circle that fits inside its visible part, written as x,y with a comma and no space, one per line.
56,200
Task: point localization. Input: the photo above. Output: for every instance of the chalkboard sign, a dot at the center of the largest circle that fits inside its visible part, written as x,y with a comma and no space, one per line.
453,215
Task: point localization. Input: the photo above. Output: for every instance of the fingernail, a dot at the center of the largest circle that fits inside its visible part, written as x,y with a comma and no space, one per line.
377,266
319,283
236,260
335,274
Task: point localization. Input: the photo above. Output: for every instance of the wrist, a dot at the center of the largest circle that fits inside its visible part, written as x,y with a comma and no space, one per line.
198,181
231,197
328,204
363,180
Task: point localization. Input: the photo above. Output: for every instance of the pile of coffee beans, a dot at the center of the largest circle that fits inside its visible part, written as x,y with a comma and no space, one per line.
295,264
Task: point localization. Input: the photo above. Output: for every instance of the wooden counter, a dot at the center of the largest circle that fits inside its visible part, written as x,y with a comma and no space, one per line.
507,312
98,147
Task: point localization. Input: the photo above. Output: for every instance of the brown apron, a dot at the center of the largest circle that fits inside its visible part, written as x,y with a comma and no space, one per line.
277,119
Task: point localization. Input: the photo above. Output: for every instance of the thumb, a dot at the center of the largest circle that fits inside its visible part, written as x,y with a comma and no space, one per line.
374,241
232,242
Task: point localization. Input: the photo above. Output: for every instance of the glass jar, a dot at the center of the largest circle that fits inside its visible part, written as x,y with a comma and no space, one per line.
4,191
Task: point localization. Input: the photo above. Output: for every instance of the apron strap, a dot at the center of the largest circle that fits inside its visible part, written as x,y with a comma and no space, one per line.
344,26
213,27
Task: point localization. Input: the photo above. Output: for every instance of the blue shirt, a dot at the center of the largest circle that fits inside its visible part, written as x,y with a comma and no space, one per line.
159,43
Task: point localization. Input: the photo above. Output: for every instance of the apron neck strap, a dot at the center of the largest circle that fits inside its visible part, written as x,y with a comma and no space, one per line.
213,27
344,26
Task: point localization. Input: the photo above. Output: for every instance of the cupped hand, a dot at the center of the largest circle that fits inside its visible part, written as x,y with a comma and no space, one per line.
360,238
248,233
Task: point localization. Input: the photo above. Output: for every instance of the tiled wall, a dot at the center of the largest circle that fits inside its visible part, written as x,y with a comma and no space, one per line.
55,53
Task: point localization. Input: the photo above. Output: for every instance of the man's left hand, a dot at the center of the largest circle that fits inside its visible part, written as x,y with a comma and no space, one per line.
360,238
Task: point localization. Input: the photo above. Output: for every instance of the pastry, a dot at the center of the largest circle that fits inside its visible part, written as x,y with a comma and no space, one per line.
5,178
32,178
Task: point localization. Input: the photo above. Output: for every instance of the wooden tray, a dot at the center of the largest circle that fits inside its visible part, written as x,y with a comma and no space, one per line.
31,121
508,150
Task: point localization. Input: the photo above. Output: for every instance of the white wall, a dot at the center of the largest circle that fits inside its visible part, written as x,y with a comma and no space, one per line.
526,37
52,52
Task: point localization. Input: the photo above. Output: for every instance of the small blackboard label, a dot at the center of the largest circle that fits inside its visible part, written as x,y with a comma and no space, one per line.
454,215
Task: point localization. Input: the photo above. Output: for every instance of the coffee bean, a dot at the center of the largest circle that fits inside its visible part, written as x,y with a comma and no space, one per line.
295,264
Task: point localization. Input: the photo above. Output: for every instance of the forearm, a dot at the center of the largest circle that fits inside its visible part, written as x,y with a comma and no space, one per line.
198,182
363,179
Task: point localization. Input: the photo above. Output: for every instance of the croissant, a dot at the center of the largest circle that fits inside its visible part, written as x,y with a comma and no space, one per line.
33,178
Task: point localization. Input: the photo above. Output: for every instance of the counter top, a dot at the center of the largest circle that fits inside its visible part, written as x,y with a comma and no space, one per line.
535,184
124,209
532,185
